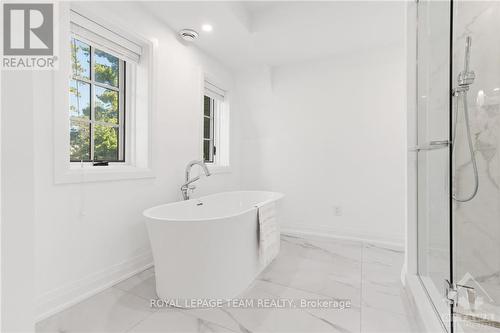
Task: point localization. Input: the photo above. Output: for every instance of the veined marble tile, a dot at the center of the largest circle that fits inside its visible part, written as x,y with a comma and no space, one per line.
322,249
142,284
340,319
381,283
315,277
282,320
388,256
175,321
379,321
307,319
112,310
306,269
382,266
319,270
387,298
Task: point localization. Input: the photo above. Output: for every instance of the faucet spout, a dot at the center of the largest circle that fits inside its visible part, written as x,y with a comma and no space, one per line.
196,162
188,185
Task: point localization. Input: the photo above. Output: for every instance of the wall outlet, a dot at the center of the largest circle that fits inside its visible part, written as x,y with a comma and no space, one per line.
337,210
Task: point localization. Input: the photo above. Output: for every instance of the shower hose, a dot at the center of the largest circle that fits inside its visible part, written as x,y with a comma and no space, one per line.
462,96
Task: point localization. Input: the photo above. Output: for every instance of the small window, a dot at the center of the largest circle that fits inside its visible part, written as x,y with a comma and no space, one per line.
215,126
209,148
103,102
97,104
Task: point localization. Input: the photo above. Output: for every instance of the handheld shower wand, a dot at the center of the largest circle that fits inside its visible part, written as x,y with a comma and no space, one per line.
468,41
465,79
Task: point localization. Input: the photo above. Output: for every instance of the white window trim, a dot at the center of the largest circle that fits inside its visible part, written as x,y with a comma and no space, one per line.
138,152
87,29
216,167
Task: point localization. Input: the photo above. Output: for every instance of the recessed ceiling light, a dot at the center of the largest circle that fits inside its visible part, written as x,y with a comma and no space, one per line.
207,27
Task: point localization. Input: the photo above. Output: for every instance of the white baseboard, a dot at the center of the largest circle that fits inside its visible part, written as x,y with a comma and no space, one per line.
329,232
70,294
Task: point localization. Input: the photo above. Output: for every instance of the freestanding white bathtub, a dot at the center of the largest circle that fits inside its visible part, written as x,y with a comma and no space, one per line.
206,248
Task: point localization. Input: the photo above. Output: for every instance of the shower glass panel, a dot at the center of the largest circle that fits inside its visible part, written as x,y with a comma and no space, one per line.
476,223
434,181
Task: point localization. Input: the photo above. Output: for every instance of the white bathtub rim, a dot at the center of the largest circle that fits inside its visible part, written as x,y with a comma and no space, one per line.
275,197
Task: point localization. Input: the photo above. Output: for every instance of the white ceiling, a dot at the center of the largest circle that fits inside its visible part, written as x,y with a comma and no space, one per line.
282,32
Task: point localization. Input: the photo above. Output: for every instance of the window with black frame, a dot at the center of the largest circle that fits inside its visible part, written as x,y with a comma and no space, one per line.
209,148
96,104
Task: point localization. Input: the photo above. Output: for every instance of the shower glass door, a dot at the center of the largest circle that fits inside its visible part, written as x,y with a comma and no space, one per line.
434,181
476,222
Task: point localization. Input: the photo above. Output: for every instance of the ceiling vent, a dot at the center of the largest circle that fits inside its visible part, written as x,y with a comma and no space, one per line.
188,35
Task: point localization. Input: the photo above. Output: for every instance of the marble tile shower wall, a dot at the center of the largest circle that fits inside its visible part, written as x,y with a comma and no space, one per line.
477,223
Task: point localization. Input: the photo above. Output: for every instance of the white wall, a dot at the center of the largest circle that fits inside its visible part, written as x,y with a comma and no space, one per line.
410,266
330,133
17,178
88,235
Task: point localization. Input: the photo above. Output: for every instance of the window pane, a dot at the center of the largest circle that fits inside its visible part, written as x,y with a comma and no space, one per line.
206,106
105,143
79,99
206,151
207,146
79,141
80,58
106,105
206,128
106,68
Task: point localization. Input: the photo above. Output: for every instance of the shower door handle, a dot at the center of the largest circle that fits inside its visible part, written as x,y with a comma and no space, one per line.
439,143
432,145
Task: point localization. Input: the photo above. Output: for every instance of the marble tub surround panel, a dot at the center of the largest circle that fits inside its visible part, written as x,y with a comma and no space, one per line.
306,269
477,223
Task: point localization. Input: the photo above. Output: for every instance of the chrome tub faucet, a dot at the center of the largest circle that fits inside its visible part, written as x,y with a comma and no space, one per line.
188,185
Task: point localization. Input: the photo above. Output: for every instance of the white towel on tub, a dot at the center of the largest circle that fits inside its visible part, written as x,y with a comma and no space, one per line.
269,233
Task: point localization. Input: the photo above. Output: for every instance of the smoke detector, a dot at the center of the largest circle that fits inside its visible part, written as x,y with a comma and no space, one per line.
188,35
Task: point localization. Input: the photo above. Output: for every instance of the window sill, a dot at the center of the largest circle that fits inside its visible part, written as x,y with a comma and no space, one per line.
86,174
219,169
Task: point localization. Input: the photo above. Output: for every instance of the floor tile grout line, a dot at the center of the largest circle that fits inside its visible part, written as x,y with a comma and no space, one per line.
323,249
140,321
152,312
213,322
132,293
300,289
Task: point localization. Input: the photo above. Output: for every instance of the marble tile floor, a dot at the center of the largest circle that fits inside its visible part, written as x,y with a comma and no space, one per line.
366,276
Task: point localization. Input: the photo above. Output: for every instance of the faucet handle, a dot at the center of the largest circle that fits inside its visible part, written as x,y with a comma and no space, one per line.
186,187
